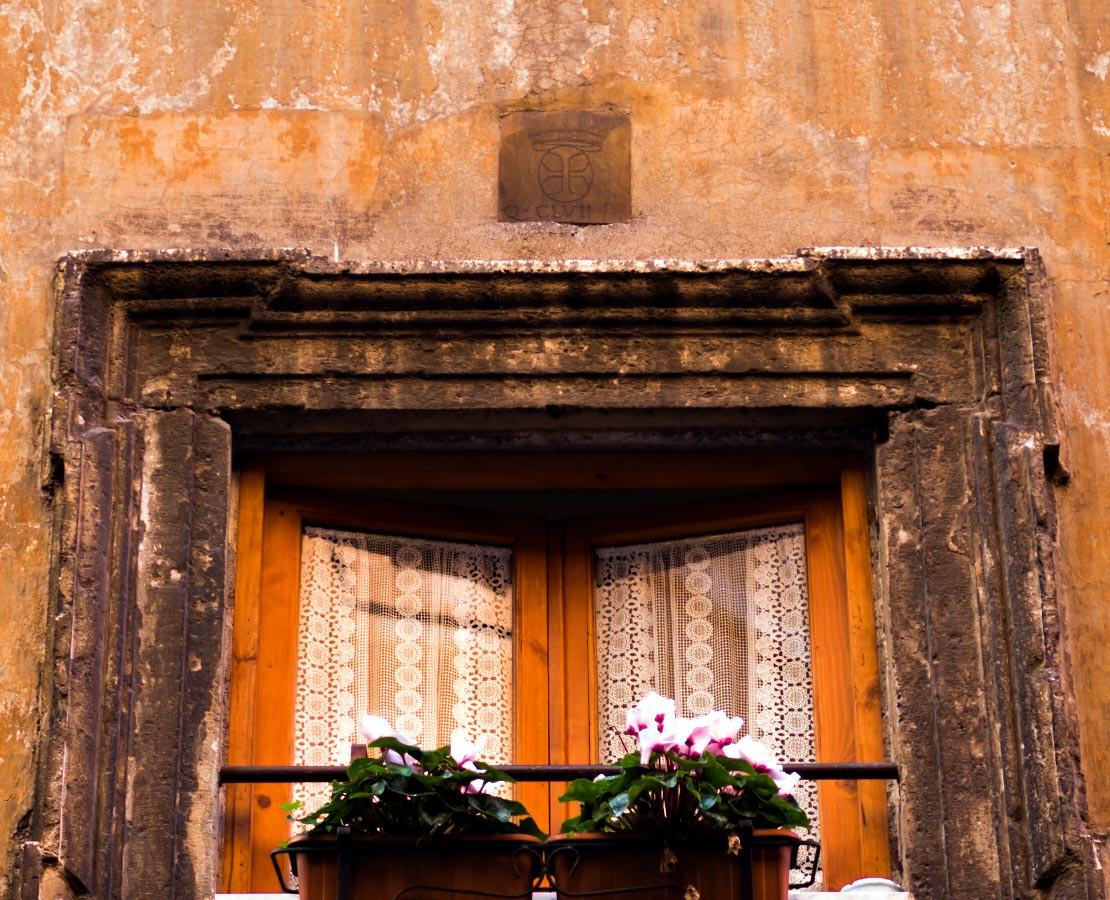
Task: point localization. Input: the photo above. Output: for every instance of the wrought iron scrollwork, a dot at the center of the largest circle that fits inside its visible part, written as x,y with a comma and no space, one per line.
541,861
344,851
810,866
572,854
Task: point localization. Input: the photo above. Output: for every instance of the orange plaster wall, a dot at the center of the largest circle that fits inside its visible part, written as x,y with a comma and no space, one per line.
369,130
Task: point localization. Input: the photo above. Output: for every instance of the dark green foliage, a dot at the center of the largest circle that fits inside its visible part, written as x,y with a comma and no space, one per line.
675,794
423,793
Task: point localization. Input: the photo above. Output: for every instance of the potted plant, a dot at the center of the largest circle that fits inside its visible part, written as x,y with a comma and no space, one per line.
694,809
422,823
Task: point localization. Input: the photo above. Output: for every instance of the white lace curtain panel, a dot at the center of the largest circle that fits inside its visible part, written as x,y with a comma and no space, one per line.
418,631
717,622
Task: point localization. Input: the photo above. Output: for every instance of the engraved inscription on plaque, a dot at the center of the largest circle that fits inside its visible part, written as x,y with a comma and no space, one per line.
568,166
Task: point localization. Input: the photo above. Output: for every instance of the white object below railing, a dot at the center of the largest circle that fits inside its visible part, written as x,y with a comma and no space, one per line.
864,889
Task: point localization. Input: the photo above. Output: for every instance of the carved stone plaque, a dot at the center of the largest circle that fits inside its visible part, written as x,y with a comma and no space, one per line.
565,166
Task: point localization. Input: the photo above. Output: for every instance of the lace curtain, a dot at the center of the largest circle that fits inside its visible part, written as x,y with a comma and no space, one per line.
717,622
418,631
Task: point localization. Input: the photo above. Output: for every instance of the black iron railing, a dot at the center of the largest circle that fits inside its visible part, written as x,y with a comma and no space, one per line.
851,771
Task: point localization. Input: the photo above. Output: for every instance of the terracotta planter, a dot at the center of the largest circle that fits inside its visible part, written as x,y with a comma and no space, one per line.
587,865
384,868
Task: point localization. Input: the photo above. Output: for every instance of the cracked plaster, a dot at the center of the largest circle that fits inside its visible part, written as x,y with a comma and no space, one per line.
368,132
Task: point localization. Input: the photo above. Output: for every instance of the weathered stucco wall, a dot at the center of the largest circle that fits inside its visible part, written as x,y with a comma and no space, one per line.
369,130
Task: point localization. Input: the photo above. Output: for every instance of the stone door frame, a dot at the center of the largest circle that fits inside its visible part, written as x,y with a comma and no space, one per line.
933,364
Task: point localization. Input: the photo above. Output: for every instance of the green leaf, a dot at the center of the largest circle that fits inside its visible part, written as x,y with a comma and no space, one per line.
528,826
618,805
584,790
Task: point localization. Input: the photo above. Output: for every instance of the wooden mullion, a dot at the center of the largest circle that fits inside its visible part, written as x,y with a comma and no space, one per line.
557,656
531,660
236,864
833,690
277,671
875,841
580,668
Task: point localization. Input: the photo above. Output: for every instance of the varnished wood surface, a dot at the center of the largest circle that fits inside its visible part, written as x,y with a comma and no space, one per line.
557,679
276,680
531,660
555,470
236,868
833,690
875,844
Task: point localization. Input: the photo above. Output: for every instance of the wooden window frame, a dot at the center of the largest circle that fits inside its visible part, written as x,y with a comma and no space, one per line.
280,493
265,643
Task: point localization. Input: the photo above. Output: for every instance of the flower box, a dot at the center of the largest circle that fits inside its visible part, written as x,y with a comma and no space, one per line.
644,864
694,808
417,824
374,867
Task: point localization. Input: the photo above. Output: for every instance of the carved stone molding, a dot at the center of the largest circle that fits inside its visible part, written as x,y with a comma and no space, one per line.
933,364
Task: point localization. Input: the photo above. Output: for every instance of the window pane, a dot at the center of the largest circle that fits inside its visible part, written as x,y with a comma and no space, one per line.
418,631
718,622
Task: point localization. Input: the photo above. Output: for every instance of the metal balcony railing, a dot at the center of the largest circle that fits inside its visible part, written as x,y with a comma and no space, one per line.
850,771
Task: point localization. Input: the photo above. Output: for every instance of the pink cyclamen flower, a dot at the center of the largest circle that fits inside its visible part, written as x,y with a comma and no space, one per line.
711,732
649,741
688,737
763,759
722,729
374,728
786,782
464,751
756,752
671,735
651,713
678,734
692,736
